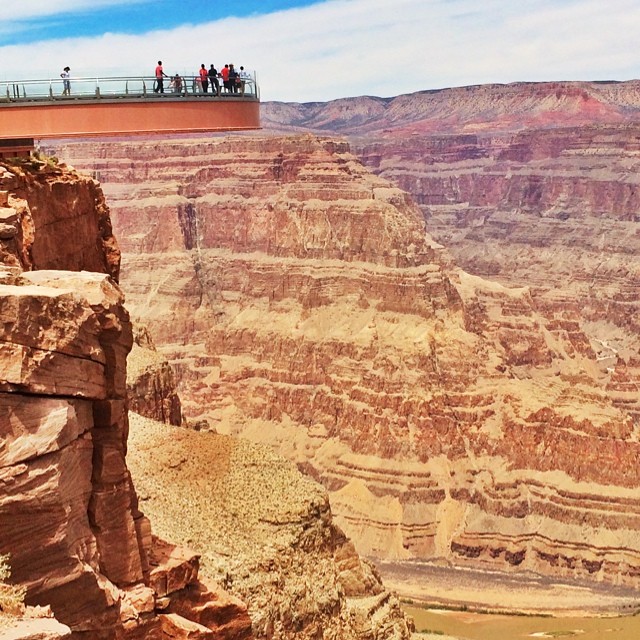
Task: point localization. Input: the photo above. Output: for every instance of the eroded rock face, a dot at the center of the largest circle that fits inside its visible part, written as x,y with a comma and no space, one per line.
530,184
68,510
151,384
302,304
53,218
488,108
64,432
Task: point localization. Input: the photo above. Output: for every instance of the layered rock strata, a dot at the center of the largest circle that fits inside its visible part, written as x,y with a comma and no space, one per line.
555,210
68,511
531,184
302,304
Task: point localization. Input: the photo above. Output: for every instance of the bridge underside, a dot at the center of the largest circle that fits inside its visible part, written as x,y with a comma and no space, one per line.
126,117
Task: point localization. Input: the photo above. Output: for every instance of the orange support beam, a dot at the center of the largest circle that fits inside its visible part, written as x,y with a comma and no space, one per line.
124,116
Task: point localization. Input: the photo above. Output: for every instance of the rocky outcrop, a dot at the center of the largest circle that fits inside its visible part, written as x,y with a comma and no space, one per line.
68,510
151,387
302,304
41,204
69,515
269,536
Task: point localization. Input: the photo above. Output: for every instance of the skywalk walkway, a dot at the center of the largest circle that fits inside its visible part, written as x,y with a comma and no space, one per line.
38,109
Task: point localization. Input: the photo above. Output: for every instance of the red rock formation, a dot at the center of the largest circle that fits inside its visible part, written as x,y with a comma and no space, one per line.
151,387
553,210
68,511
39,205
69,514
301,304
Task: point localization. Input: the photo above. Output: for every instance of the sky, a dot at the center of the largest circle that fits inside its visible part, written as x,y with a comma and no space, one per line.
310,50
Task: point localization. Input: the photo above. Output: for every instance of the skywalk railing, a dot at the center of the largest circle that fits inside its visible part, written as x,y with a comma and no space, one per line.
141,87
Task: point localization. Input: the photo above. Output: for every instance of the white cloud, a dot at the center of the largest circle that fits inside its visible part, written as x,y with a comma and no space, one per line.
344,48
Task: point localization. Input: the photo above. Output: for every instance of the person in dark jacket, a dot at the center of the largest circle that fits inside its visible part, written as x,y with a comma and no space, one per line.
233,79
213,80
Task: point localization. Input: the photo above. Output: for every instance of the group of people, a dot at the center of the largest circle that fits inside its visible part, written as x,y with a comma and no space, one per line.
233,81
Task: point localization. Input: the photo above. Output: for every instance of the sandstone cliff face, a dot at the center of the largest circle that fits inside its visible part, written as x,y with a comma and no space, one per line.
68,511
69,514
528,184
302,304
54,218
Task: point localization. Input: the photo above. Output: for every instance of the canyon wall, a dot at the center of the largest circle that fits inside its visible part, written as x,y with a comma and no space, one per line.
528,184
555,210
69,514
69,517
302,304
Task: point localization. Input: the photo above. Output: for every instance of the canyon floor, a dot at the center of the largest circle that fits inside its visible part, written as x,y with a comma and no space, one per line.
516,593
434,624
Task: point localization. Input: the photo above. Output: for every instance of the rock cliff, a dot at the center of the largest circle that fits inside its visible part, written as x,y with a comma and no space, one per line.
69,516
302,304
55,219
68,510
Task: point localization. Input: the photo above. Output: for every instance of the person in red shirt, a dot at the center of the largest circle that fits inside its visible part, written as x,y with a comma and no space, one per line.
225,77
158,87
204,78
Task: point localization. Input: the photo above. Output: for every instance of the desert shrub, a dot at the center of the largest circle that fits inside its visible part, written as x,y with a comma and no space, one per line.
11,596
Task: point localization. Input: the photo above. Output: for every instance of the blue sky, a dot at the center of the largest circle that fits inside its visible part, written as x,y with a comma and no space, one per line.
317,50
35,20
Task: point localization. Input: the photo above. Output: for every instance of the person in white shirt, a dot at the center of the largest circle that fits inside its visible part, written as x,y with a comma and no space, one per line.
66,83
244,77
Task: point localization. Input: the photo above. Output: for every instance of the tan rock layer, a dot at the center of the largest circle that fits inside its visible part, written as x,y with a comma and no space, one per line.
302,304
